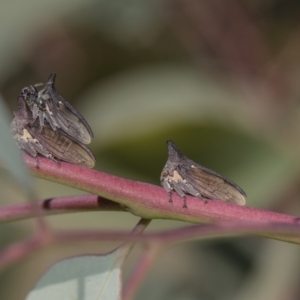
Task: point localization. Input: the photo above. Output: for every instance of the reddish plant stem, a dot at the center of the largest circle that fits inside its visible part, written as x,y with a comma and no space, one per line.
137,230
290,232
150,201
196,232
144,264
20,250
58,205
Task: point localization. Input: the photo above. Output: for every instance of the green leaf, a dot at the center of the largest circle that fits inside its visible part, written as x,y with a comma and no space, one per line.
86,277
9,154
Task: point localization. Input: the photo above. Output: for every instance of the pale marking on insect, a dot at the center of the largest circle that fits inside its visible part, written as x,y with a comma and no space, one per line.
26,135
176,177
49,111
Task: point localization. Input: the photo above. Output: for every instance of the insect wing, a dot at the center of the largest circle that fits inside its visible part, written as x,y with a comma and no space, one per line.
69,119
70,123
212,185
26,142
63,147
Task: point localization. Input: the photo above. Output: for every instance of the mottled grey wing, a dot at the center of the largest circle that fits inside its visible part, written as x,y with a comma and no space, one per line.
70,122
63,147
57,98
212,185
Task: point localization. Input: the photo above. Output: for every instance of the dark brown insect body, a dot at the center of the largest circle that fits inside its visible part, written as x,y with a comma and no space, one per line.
36,139
47,105
182,175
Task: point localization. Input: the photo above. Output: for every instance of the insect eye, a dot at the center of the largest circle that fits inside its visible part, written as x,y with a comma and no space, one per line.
164,173
25,91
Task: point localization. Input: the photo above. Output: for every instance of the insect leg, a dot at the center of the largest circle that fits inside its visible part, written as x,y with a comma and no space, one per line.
170,197
178,189
167,186
184,202
37,164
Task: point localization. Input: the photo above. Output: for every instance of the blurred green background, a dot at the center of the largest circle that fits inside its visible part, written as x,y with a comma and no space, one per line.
219,78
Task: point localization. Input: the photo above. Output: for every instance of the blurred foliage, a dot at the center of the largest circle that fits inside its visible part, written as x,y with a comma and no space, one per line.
218,78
